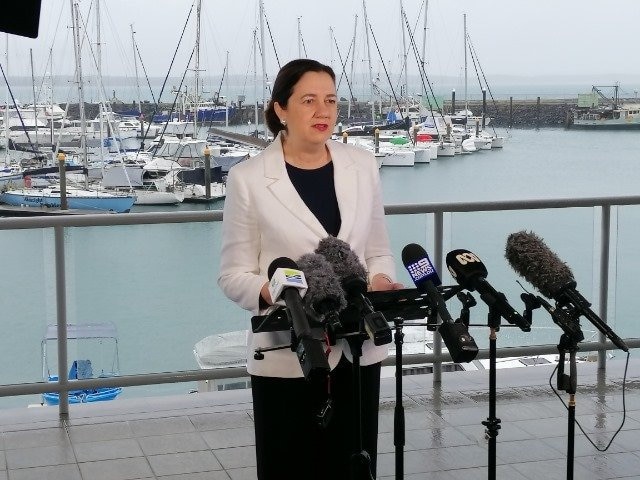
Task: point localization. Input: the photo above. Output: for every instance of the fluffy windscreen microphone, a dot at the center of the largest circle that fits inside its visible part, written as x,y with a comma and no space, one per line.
324,294
530,257
345,263
353,279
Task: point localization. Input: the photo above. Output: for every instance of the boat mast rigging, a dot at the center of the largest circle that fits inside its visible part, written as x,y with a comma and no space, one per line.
615,100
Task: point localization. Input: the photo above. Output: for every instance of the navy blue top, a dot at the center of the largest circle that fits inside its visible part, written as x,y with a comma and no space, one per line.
317,190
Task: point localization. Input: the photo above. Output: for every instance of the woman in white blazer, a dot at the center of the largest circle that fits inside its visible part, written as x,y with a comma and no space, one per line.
302,188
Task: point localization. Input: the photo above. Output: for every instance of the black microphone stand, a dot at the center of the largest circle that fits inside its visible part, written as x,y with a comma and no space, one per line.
492,423
566,318
407,304
569,384
398,412
360,460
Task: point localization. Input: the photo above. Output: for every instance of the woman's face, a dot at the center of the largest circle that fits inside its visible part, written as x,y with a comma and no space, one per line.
312,108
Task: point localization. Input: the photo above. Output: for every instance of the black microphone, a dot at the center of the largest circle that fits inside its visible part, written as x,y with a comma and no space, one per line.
353,278
530,257
470,273
460,344
288,284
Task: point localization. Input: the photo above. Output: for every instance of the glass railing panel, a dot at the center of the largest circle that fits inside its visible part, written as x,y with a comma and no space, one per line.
624,300
157,283
28,300
567,232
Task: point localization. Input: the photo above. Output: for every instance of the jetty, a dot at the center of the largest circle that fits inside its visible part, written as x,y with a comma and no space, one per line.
239,138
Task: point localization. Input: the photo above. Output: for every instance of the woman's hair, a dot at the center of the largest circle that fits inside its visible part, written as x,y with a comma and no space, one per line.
287,78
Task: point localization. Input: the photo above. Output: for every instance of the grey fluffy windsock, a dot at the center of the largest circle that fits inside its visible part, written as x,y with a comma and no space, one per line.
324,292
344,261
530,257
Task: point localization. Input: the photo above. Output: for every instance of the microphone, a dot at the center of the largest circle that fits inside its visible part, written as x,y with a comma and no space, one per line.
530,257
460,344
287,283
324,295
324,298
346,265
353,278
470,273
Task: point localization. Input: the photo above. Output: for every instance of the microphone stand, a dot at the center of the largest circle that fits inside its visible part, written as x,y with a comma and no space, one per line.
414,306
398,413
492,423
569,384
360,460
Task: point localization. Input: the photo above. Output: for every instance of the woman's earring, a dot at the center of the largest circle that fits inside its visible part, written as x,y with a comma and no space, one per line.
283,122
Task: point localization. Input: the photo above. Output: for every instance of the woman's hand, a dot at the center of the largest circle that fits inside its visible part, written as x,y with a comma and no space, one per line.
265,294
382,282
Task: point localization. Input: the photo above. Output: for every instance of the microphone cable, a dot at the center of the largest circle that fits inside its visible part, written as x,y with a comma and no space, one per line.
624,407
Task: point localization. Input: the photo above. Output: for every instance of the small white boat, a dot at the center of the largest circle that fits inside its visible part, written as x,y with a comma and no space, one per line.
469,145
129,178
446,149
396,157
497,142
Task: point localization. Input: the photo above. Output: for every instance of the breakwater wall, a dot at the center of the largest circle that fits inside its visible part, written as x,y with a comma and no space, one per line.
503,113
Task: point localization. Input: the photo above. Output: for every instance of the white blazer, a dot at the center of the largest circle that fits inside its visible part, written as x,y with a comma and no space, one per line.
265,218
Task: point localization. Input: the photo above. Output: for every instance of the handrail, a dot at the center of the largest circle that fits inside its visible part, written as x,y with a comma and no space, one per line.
96,220
63,221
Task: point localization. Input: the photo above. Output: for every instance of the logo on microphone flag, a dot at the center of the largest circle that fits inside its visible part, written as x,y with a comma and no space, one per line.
423,270
294,276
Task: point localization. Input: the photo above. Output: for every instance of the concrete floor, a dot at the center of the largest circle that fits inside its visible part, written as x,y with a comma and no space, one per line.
210,435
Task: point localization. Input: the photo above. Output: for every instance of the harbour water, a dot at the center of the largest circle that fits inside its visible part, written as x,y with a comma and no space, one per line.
157,283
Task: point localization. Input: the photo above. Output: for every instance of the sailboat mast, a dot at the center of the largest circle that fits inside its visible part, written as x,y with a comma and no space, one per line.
264,60
353,57
6,104
101,109
226,82
98,40
466,100
373,92
35,106
75,14
51,135
135,68
404,59
197,70
299,39
255,75
424,45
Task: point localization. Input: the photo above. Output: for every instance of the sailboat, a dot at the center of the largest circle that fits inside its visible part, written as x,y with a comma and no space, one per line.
130,178
77,197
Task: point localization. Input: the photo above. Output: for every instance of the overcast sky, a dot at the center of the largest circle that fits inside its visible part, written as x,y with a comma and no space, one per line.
526,39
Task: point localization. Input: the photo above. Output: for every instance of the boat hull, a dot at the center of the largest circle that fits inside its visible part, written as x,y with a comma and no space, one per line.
40,198
150,197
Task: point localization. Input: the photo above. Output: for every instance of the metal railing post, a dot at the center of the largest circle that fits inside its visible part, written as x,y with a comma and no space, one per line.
61,310
605,235
438,229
